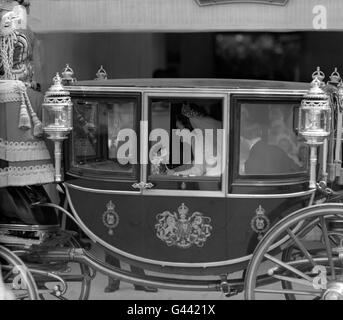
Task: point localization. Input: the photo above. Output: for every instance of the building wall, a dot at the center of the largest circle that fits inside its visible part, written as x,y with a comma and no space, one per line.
197,55
123,55
138,55
193,54
324,49
180,15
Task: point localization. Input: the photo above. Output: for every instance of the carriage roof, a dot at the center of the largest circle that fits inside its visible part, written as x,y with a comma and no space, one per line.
230,84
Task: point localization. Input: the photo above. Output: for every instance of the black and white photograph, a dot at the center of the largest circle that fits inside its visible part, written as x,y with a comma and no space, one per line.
171,154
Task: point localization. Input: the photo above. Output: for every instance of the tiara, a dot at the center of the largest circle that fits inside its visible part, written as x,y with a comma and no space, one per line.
188,112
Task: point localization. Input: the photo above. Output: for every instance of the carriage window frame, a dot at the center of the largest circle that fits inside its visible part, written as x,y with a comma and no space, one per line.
236,101
96,174
181,95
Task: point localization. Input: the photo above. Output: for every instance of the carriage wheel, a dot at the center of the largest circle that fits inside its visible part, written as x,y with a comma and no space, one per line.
16,280
303,262
73,282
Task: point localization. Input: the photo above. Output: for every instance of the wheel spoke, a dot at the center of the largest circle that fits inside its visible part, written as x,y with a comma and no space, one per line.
294,280
22,296
288,267
264,280
46,291
301,247
307,228
301,264
328,247
8,274
302,293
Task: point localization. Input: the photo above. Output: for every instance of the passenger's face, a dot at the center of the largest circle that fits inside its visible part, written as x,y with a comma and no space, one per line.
6,22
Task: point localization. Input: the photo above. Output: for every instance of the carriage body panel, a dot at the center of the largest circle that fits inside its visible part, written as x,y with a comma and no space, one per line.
202,223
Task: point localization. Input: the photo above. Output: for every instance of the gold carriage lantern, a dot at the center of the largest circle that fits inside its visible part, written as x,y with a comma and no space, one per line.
315,120
57,119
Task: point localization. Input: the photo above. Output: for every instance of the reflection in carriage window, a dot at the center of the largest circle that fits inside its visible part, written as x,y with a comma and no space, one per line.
190,144
269,144
97,137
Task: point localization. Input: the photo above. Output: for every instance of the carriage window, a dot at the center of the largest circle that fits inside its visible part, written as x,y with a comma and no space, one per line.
101,131
269,144
186,142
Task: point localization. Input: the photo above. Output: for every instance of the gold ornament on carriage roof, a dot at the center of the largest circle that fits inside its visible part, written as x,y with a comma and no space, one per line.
335,77
57,119
101,74
68,76
179,230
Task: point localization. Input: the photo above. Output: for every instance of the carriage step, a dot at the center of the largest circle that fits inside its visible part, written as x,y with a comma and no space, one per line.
16,241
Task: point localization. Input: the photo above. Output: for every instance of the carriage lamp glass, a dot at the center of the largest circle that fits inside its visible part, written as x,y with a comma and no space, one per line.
315,121
57,119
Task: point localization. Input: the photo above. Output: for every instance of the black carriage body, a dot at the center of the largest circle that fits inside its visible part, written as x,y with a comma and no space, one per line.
195,224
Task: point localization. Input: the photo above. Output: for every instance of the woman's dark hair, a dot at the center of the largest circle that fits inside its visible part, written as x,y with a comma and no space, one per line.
25,3
184,120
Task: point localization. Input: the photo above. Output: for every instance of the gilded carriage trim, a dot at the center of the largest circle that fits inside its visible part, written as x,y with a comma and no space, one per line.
21,176
176,229
23,151
110,218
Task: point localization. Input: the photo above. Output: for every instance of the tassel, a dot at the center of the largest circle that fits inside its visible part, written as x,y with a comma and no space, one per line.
37,126
24,119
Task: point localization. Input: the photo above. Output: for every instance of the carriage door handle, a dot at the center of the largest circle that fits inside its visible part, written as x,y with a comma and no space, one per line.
142,185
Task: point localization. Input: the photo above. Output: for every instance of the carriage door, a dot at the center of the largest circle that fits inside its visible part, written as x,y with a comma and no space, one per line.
184,172
104,167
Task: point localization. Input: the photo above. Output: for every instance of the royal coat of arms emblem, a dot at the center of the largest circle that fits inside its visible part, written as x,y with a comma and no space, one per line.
260,223
177,229
110,218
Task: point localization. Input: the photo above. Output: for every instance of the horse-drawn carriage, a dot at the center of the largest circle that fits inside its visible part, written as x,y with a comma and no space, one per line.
136,184
236,183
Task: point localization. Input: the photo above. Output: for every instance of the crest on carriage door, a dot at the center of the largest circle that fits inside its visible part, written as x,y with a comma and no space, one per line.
182,229
260,223
110,218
